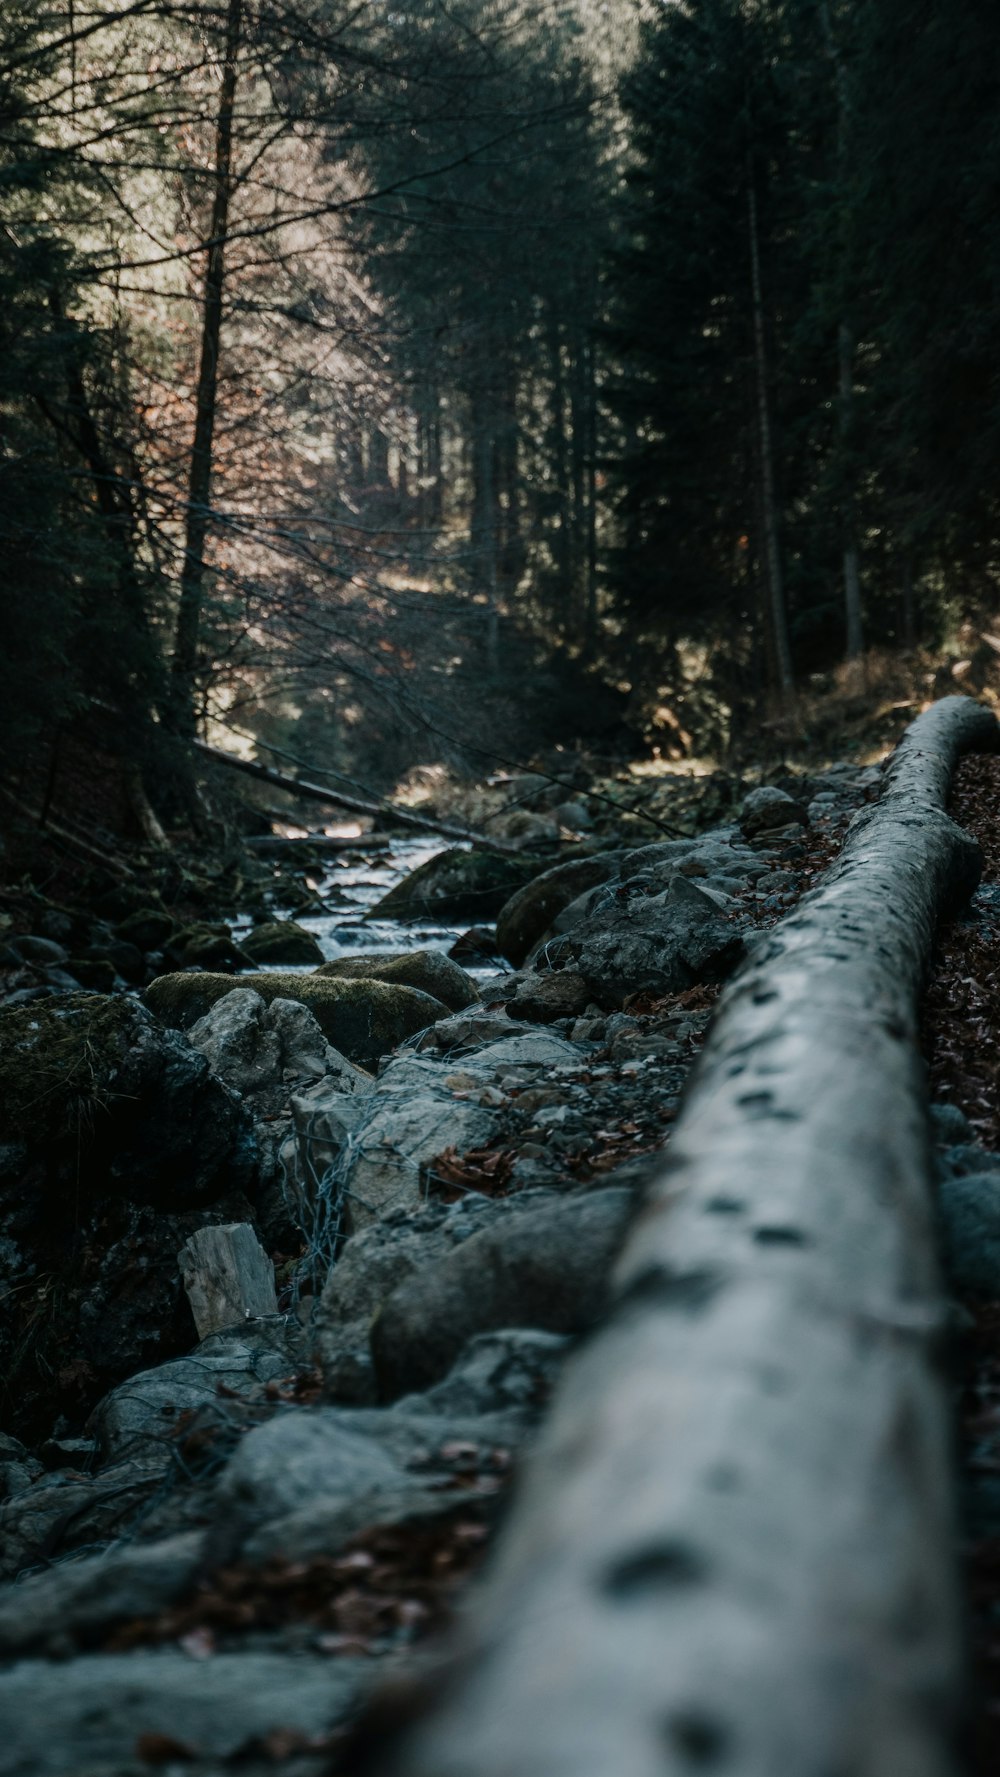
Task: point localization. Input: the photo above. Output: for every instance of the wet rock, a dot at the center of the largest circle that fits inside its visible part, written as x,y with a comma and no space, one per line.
89,1716
431,971
43,951
969,1209
75,1602
529,913
545,1268
281,941
140,1416
476,946
150,928
363,1019
228,1277
768,809
206,947
456,884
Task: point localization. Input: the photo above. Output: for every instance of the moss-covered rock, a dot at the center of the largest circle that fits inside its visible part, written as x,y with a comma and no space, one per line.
149,929
455,884
281,941
207,947
363,1019
430,971
528,914
93,1093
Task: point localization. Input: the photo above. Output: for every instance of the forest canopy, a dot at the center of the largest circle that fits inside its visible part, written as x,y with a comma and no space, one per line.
374,373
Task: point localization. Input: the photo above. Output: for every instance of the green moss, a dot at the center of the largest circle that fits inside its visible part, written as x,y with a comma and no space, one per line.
58,1061
428,970
281,941
363,1019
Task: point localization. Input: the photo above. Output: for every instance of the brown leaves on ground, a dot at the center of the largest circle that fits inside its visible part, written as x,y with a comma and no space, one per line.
385,1583
450,1175
961,1018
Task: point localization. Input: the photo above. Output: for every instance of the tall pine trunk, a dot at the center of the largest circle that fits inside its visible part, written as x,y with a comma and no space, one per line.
769,503
185,659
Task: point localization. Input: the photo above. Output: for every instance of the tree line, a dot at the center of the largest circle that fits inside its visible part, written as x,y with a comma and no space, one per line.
354,361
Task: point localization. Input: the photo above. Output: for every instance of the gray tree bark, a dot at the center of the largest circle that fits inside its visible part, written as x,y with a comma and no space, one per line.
732,1550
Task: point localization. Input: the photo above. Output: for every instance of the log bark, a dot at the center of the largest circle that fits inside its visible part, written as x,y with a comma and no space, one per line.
297,786
732,1550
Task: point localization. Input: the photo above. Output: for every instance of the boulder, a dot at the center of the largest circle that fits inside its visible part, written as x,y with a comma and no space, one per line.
529,912
281,941
545,1268
149,928
658,943
363,1019
969,1212
100,1098
125,1713
141,1415
267,1049
768,809
369,1267
455,884
71,1510
430,971
206,947
546,996
512,1370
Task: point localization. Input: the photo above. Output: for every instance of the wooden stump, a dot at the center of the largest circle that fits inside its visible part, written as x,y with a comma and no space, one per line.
732,1550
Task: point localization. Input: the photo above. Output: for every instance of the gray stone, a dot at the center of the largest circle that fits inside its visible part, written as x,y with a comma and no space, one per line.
141,1414
542,1267
512,1370
949,1124
44,951
228,1277
297,1459
77,1600
546,996
362,1019
767,810
530,912
457,884
369,1267
85,1717
661,943
67,1510
969,1209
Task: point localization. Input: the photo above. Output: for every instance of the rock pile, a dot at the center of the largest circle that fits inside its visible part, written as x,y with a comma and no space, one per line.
213,1540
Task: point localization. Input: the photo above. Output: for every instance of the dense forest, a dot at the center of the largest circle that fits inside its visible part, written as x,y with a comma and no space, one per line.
360,367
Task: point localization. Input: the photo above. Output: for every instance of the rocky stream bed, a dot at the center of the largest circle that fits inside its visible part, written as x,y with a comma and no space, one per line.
298,1220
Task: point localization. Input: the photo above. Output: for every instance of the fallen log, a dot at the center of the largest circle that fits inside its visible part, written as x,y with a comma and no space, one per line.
324,842
297,786
733,1548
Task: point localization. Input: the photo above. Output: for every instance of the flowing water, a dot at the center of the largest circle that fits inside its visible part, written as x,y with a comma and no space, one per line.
353,882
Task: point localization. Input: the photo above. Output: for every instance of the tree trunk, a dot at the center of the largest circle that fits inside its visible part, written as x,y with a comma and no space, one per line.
734,1547
769,503
185,660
